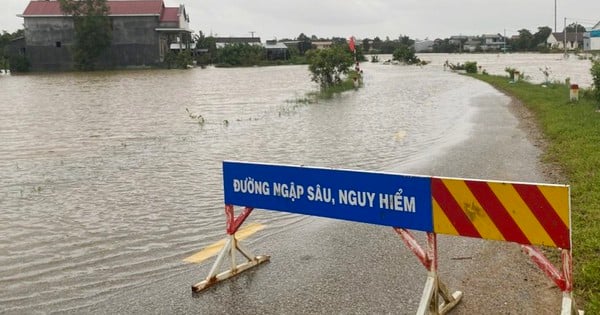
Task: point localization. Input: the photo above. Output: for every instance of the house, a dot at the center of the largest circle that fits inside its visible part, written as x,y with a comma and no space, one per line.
492,42
591,39
458,41
276,50
224,41
321,44
142,34
472,44
557,40
424,45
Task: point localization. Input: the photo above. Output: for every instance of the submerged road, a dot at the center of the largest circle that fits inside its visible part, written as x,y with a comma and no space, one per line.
322,266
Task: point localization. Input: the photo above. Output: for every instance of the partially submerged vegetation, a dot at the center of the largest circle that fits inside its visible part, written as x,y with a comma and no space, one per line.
330,68
572,129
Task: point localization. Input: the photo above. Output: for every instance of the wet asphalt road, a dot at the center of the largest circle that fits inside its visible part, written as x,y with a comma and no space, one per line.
322,266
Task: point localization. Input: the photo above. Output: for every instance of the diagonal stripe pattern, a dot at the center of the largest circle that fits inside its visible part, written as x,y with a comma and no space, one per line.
522,213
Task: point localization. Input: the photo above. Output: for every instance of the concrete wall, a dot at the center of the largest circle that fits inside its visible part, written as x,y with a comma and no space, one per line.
50,42
595,43
134,42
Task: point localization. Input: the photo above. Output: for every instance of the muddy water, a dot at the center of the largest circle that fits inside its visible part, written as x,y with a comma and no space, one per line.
107,183
559,68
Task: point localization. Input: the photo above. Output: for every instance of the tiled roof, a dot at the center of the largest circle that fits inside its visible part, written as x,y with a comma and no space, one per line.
170,15
571,37
137,7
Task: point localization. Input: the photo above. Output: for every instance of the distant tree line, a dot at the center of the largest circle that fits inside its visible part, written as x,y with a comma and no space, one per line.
93,36
523,42
242,55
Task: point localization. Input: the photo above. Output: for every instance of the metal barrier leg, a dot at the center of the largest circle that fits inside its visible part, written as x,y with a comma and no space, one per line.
434,287
562,278
229,249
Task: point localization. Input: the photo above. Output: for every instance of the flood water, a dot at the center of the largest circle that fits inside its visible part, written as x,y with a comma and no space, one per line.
107,183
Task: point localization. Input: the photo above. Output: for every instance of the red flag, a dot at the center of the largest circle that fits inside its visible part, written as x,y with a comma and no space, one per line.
351,44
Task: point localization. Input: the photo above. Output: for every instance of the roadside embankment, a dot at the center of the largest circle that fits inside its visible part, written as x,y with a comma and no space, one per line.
571,136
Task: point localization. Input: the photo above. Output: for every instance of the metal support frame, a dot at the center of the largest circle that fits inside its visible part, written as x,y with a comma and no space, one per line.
434,287
562,278
231,246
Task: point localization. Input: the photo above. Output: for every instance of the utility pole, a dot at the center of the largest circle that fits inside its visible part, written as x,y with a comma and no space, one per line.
555,30
565,37
576,42
252,33
504,41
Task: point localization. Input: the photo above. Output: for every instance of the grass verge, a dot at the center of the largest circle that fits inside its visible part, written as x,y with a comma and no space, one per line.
572,130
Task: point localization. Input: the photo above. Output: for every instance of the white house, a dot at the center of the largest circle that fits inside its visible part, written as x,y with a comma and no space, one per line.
221,42
424,46
493,42
591,39
557,40
322,44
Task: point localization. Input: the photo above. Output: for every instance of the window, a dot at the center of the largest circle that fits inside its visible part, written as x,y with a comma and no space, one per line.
58,44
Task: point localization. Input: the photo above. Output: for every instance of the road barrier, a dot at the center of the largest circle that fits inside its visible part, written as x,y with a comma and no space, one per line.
524,213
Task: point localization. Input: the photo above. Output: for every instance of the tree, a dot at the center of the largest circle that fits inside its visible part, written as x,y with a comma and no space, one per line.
377,44
406,54
405,40
525,40
541,36
444,46
16,62
304,43
575,28
206,47
328,65
240,55
366,45
93,32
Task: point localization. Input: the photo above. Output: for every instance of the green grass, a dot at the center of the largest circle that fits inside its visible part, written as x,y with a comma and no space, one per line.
573,133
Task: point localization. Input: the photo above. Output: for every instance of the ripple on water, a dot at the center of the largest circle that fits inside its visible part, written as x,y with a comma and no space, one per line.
107,183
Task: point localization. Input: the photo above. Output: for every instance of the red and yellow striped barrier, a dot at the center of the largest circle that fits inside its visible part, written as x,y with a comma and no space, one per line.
523,213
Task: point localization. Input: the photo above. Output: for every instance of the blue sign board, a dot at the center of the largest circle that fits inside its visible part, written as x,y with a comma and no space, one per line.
595,33
379,198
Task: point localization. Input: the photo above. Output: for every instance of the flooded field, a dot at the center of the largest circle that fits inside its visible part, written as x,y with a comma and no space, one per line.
107,183
573,67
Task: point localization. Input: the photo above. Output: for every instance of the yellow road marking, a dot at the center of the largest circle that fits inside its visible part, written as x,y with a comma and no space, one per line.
214,249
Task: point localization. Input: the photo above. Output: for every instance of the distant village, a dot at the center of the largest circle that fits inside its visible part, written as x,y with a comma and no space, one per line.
147,33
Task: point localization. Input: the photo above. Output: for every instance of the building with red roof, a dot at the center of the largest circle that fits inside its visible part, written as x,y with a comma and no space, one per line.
142,34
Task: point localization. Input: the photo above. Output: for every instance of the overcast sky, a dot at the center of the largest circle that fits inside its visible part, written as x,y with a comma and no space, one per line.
419,19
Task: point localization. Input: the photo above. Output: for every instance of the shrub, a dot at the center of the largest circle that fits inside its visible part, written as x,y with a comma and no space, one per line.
406,54
596,78
514,74
511,72
328,65
19,63
471,66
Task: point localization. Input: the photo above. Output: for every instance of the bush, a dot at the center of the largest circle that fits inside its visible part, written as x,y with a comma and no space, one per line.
179,60
240,55
514,74
471,66
19,63
596,78
406,54
328,65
